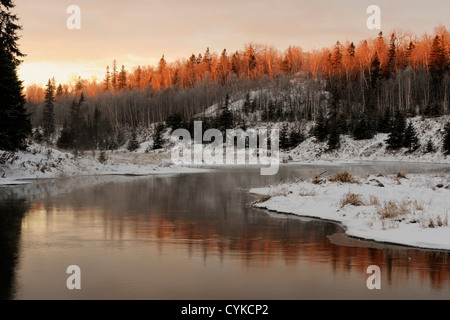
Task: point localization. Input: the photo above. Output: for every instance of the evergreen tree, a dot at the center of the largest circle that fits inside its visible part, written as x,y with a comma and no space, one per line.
392,53
334,137
225,120
14,121
174,121
284,141
122,79
320,129
114,76
361,129
158,141
48,115
107,81
447,138
410,139
37,136
120,138
396,136
59,91
375,72
438,63
65,140
133,143
430,146
296,137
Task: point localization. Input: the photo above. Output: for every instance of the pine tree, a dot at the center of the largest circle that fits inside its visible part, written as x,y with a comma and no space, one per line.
410,139
396,135
48,115
14,121
446,145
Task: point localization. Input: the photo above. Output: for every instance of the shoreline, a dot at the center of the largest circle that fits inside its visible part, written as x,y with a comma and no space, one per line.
412,213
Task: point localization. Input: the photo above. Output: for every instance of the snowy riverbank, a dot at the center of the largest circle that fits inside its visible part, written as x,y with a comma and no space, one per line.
376,149
42,162
411,210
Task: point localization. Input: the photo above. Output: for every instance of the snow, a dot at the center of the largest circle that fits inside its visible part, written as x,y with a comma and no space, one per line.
425,200
375,149
43,162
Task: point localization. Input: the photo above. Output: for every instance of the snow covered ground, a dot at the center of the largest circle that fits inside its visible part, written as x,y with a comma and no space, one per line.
41,162
411,210
375,149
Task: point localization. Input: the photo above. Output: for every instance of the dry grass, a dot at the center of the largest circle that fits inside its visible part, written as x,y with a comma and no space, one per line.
266,197
418,205
392,209
311,193
343,177
373,201
315,177
401,175
263,198
352,199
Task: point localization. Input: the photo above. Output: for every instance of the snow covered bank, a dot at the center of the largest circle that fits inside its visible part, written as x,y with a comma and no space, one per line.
411,210
41,162
375,149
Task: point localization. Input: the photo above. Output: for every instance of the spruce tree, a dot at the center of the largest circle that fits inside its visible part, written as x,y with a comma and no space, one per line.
320,130
158,141
65,140
48,115
410,139
446,145
361,129
296,137
133,143
225,120
396,136
334,138
284,137
14,121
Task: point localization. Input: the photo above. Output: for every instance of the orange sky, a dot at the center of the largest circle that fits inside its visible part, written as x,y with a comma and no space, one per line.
138,32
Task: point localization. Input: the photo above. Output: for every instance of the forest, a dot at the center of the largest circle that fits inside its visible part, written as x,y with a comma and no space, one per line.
361,90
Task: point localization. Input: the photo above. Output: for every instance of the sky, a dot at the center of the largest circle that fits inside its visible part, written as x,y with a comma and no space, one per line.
139,32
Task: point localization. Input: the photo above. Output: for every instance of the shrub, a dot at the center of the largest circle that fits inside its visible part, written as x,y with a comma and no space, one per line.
352,199
343,177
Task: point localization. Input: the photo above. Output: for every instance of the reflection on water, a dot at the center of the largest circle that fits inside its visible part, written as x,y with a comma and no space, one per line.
195,237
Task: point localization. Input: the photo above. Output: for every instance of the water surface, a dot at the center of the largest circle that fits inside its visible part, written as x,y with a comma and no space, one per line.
195,236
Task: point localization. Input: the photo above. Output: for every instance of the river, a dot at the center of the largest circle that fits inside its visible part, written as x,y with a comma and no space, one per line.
196,236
